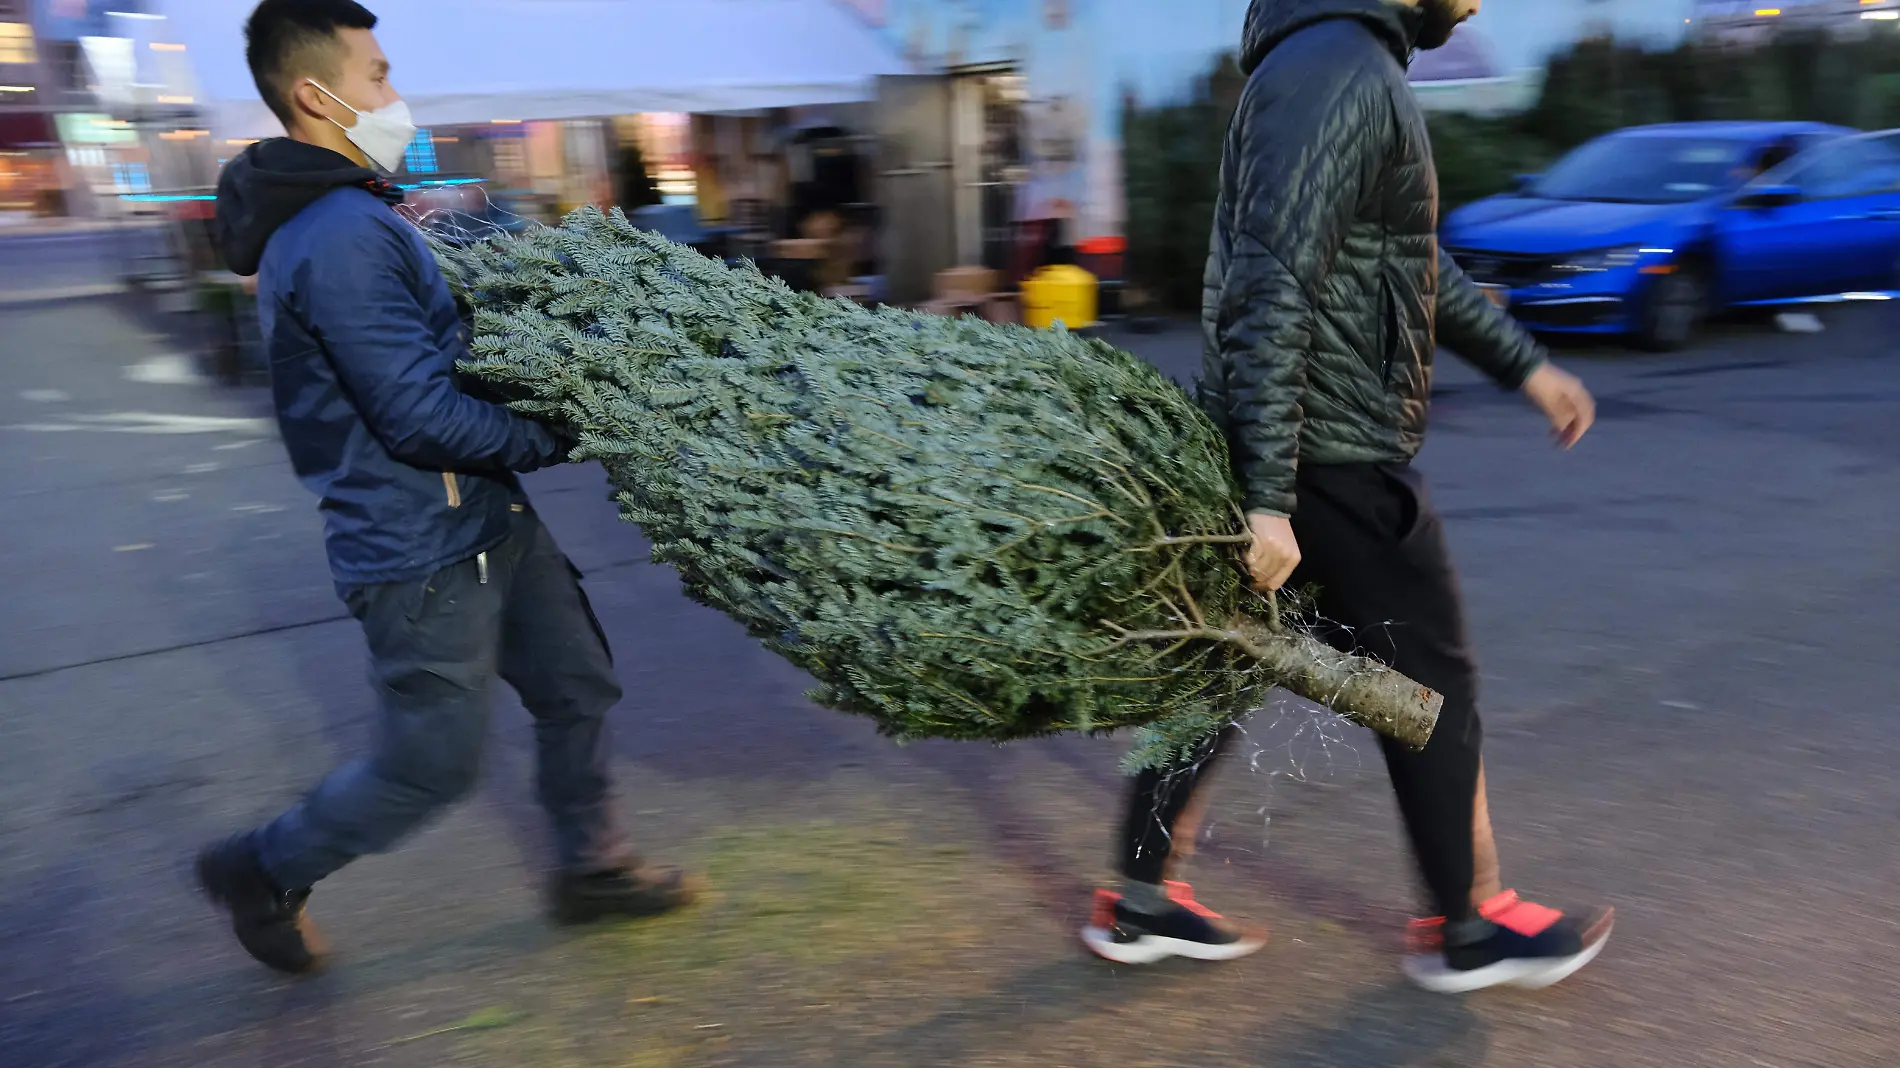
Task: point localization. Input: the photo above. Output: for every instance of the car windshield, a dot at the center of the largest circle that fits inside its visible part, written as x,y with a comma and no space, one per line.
1646,170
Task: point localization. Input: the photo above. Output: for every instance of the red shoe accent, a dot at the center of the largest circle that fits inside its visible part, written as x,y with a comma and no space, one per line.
1183,895
1524,917
1425,937
1102,916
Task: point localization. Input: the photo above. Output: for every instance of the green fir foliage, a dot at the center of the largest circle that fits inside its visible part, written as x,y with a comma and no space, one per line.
960,529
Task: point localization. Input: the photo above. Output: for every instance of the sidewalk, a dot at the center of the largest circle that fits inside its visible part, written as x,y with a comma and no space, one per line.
59,294
46,261
16,225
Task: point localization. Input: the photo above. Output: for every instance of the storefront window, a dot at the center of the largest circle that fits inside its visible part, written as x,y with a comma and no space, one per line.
420,158
16,43
29,183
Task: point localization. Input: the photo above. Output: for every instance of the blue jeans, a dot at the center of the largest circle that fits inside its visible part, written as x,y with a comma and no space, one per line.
436,646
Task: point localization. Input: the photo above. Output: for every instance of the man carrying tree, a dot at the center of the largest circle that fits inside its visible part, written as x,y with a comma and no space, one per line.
1326,296
433,545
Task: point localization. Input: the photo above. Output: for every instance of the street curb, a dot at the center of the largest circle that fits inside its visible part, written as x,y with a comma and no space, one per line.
36,297
44,233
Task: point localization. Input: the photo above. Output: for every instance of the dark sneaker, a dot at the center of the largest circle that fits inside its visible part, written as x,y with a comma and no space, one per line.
623,893
1188,929
269,923
1524,944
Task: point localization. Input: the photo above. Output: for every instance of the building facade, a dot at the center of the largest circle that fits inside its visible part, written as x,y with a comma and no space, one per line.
1078,60
95,103
32,176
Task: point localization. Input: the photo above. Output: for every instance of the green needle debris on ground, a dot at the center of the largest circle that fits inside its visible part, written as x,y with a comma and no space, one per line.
485,1020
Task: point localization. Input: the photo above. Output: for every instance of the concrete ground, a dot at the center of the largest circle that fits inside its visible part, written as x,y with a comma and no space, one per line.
1687,626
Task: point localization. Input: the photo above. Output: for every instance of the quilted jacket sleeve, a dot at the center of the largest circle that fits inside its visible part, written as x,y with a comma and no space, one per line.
1481,333
373,324
1304,158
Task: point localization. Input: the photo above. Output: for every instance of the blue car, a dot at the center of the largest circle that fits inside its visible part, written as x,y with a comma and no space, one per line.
1645,232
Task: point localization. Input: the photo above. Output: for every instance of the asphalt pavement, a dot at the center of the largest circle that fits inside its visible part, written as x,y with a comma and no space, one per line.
1687,627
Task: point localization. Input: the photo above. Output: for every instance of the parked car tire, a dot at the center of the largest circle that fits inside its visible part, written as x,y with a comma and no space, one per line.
1673,309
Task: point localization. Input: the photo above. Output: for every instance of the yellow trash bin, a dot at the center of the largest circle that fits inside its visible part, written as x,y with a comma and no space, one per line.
1059,293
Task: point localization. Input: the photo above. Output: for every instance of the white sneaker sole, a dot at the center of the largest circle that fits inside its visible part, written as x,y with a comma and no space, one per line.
1151,949
1431,973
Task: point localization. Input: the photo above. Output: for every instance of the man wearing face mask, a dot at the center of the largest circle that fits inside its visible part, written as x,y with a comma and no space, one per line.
1326,296
432,543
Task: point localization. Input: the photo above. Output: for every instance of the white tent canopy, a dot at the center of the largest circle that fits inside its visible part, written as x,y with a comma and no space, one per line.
472,61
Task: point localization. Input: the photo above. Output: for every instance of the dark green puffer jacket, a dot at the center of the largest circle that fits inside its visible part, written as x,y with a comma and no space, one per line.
1325,293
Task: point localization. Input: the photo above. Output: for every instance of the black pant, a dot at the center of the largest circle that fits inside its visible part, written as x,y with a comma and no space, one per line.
1371,541
436,647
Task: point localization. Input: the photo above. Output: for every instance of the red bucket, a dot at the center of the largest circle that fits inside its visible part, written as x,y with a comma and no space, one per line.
1102,257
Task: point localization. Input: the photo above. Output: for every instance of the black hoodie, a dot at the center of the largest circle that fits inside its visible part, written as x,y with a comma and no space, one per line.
1271,21
1325,292
269,183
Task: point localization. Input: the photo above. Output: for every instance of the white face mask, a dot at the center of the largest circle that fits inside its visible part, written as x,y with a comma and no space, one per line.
383,134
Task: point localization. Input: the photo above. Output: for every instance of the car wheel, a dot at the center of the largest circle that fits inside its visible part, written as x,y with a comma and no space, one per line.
1673,310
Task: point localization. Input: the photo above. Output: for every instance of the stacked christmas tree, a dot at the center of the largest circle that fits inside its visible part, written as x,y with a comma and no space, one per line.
961,530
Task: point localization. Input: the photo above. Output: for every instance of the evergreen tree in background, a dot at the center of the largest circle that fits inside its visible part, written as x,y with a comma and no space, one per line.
1171,157
960,529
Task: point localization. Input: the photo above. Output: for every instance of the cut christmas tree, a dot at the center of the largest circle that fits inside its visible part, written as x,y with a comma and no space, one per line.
960,529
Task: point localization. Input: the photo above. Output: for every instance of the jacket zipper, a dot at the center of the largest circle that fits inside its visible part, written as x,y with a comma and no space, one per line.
454,490
1389,329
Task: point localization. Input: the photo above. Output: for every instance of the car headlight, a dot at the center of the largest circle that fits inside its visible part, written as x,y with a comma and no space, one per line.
1608,259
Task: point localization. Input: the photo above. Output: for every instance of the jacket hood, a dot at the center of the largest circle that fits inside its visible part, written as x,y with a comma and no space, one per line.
268,184
1271,21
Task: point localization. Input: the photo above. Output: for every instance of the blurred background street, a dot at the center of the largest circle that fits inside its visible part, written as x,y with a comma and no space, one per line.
1686,626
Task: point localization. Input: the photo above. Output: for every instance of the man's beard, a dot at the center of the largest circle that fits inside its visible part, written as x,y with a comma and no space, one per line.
1441,17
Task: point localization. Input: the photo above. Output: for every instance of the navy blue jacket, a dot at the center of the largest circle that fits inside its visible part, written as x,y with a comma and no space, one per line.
363,336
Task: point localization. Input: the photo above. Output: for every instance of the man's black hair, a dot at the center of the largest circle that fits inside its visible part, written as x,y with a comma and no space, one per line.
286,41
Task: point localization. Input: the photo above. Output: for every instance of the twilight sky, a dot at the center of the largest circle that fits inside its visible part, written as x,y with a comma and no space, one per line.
1521,32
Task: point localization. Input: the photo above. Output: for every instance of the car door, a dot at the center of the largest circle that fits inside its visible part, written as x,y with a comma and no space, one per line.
1867,201
1840,230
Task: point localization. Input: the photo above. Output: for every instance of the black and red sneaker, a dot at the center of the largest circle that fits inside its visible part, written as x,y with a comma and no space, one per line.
1518,943
1185,929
